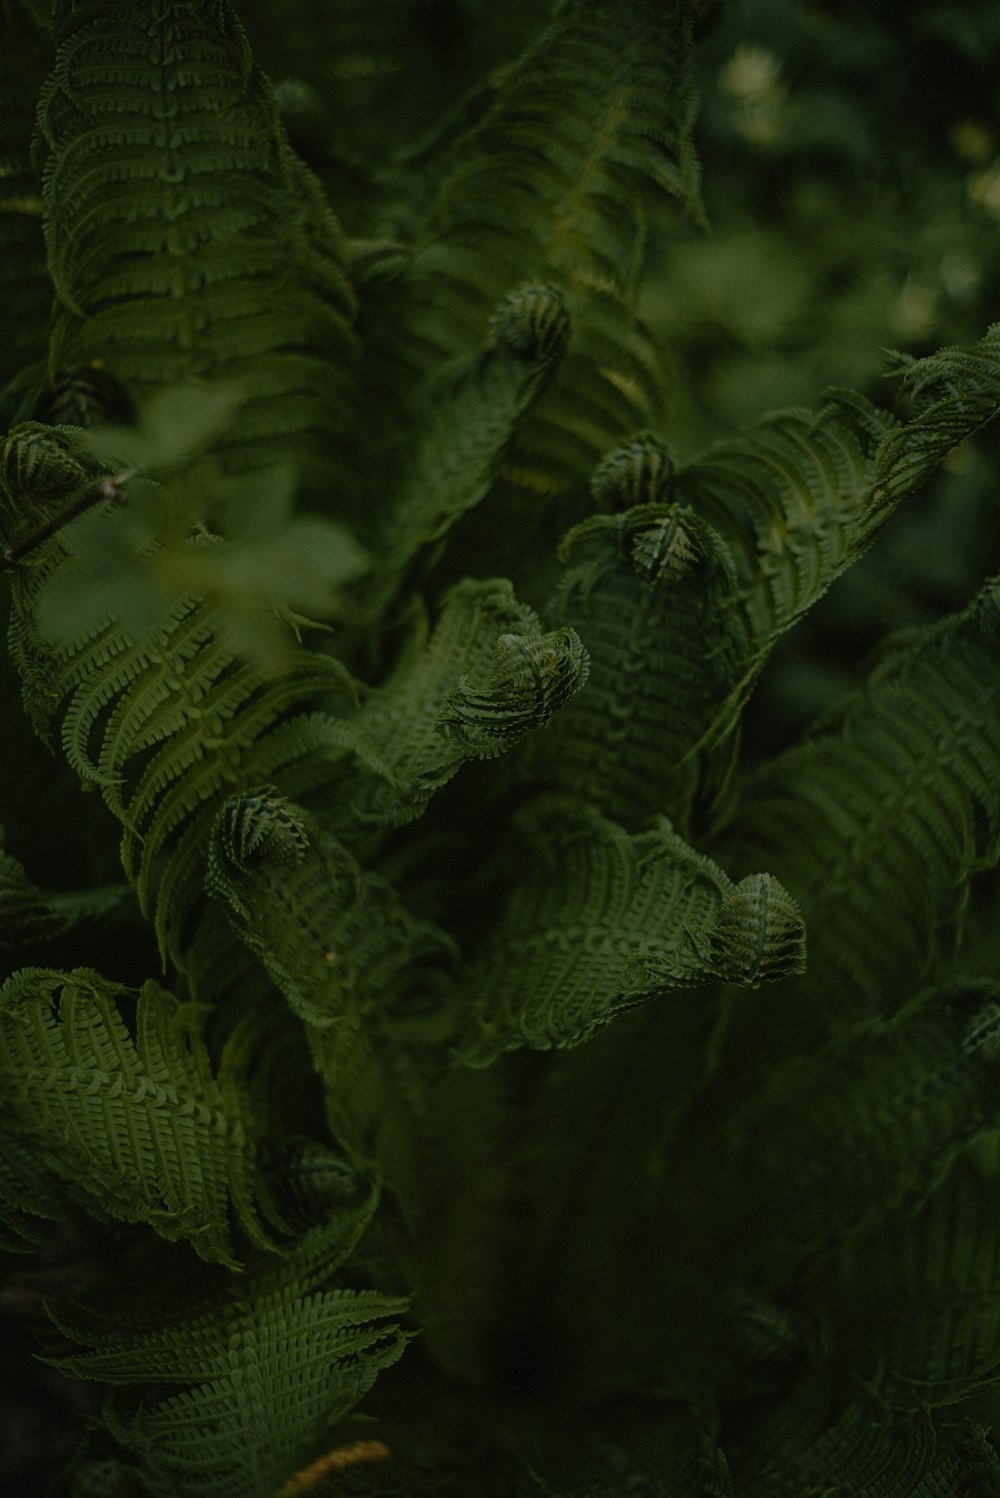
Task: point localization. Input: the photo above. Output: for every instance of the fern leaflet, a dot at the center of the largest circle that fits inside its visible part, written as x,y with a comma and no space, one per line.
266,1365
25,289
606,921
709,564
836,1139
165,724
468,416
137,1125
888,810
185,240
486,676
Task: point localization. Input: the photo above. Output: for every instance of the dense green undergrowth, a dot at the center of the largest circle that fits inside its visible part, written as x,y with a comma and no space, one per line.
502,989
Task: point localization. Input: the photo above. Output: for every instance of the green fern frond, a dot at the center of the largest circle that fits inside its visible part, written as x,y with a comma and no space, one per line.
373,987
165,725
916,1303
258,828
731,548
266,1365
25,288
646,1446
955,391
487,675
32,920
689,588
137,1124
549,186
367,978
556,178
25,915
604,921
480,938
314,1181
835,1140
47,476
186,241
876,1454
335,940
532,677
32,1195
647,619
467,419
887,812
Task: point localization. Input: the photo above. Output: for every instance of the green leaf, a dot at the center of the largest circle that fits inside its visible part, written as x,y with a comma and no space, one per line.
267,1364
138,1124
166,242
833,1141
303,568
886,812
604,921
175,425
487,675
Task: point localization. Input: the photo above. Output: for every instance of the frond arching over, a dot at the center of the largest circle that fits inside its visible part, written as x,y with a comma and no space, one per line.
168,724
335,939
262,1368
363,974
887,812
834,1140
705,566
486,675
955,391
186,241
467,416
605,921
138,1124
549,186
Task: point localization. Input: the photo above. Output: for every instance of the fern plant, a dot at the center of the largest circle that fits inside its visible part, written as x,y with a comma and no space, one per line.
468,1074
